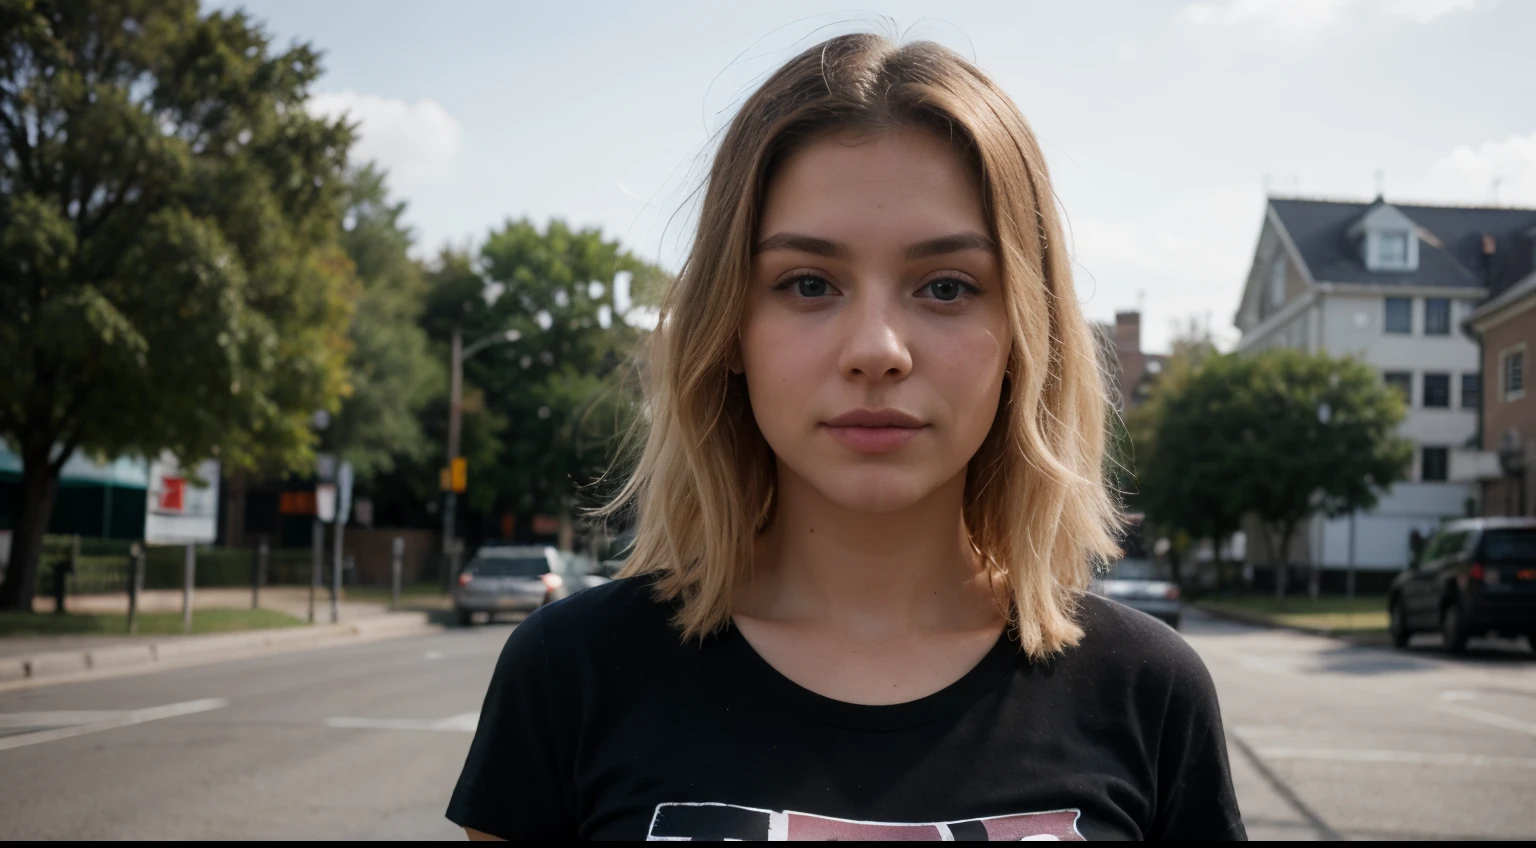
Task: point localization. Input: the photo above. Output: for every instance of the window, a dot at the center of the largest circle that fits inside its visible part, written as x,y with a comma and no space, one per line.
1437,391
1514,373
1392,249
1437,316
1433,465
1399,315
1471,389
1277,282
1403,382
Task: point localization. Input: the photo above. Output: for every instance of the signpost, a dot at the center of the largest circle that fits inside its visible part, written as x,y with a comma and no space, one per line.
182,511
397,552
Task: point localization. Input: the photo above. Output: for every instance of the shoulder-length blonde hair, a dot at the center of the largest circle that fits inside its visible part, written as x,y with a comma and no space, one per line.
1037,509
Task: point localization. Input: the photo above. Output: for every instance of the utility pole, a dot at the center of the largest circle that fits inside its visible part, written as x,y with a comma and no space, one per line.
455,410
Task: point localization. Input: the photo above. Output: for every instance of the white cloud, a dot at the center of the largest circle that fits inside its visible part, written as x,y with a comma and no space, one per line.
1468,174
1310,16
418,143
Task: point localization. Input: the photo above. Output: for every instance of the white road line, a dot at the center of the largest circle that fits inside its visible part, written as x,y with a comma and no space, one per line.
1486,717
461,723
432,655
124,719
1347,755
57,718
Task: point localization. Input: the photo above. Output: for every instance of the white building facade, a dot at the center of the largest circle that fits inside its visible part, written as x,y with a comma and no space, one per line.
1390,286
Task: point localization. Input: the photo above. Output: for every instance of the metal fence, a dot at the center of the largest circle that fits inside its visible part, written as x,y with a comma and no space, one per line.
104,565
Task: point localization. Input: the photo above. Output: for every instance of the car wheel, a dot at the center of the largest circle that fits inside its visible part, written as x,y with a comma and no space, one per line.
1453,628
465,618
1398,624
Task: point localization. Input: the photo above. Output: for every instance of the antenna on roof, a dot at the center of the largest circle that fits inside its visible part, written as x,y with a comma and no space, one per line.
1381,184
1494,189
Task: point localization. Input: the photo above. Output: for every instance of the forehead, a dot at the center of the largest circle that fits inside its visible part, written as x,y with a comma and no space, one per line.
903,184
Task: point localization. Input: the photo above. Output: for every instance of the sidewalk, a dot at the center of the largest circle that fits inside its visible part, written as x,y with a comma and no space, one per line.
24,659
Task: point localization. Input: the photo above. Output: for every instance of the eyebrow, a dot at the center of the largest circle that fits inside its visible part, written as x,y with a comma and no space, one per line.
954,243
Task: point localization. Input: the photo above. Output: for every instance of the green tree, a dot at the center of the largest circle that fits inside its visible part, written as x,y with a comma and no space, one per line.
559,393
391,375
169,278
1283,436
1181,483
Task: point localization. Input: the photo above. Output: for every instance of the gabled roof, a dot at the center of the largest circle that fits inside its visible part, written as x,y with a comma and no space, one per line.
1450,249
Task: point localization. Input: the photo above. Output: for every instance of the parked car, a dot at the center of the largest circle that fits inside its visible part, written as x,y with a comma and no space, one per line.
512,579
1138,584
1475,576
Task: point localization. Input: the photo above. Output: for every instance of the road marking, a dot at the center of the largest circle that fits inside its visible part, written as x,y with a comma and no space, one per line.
1346,755
432,655
461,723
1457,695
113,721
57,718
1487,717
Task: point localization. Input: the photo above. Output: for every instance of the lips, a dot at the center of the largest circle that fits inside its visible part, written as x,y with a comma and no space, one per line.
874,431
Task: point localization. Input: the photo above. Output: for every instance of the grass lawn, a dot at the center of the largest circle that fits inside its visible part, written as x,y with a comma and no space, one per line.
412,595
1335,613
150,624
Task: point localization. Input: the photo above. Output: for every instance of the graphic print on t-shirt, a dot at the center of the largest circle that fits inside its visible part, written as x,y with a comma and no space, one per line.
715,822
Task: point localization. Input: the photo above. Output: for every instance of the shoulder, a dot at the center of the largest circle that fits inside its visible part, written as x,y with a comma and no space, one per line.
1125,645
618,615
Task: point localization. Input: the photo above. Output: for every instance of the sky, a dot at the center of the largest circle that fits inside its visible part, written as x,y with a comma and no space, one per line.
1164,122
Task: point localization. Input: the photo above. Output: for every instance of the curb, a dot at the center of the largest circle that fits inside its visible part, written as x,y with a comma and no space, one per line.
1261,620
62,666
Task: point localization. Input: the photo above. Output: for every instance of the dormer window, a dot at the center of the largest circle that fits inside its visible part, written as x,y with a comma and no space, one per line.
1387,239
1392,249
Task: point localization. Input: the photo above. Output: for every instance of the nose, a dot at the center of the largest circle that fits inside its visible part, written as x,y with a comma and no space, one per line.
875,347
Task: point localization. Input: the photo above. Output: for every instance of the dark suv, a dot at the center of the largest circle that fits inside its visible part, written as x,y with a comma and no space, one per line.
1475,576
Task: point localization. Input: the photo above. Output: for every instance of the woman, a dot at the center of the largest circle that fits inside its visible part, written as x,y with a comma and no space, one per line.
868,505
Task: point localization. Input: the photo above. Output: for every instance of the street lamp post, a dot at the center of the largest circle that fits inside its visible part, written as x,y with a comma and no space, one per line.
458,354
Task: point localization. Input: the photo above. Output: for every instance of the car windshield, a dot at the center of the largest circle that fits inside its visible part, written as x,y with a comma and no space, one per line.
521,566
1510,546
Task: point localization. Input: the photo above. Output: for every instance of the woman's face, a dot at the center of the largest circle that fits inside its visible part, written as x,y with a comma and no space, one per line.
875,337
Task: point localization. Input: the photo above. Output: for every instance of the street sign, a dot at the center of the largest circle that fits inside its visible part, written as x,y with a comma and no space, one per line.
459,474
325,501
344,481
177,510
325,467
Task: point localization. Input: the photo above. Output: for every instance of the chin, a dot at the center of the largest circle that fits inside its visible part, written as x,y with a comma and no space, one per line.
874,489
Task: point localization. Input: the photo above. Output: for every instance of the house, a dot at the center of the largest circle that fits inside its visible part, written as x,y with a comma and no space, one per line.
1390,284
1505,326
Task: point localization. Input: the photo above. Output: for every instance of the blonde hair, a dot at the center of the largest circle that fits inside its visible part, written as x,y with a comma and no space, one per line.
1037,509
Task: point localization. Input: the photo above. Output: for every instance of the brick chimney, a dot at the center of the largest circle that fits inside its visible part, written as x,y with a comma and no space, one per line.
1128,332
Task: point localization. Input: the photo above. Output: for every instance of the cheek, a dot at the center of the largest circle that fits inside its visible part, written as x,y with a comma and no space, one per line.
967,368
783,364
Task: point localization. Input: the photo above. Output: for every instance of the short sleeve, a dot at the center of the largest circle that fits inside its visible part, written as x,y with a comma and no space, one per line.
1195,799
516,780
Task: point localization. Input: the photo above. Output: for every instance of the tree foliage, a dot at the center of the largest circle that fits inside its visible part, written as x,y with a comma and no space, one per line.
169,278
559,394
391,375
1282,435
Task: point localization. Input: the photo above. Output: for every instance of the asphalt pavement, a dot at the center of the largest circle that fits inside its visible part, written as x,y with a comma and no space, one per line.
364,741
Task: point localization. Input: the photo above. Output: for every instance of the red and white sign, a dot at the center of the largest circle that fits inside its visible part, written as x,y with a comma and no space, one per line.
181,511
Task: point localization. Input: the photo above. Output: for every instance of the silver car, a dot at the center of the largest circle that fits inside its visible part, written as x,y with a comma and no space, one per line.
1137,584
510,580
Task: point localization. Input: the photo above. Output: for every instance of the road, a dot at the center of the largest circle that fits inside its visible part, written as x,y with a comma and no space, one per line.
365,741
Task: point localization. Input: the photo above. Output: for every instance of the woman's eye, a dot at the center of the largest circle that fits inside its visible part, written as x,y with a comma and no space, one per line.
946,289
809,285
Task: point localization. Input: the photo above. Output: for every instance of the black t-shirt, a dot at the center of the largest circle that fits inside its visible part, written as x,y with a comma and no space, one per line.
602,723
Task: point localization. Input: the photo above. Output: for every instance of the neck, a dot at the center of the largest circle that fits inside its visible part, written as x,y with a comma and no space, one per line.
871,575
